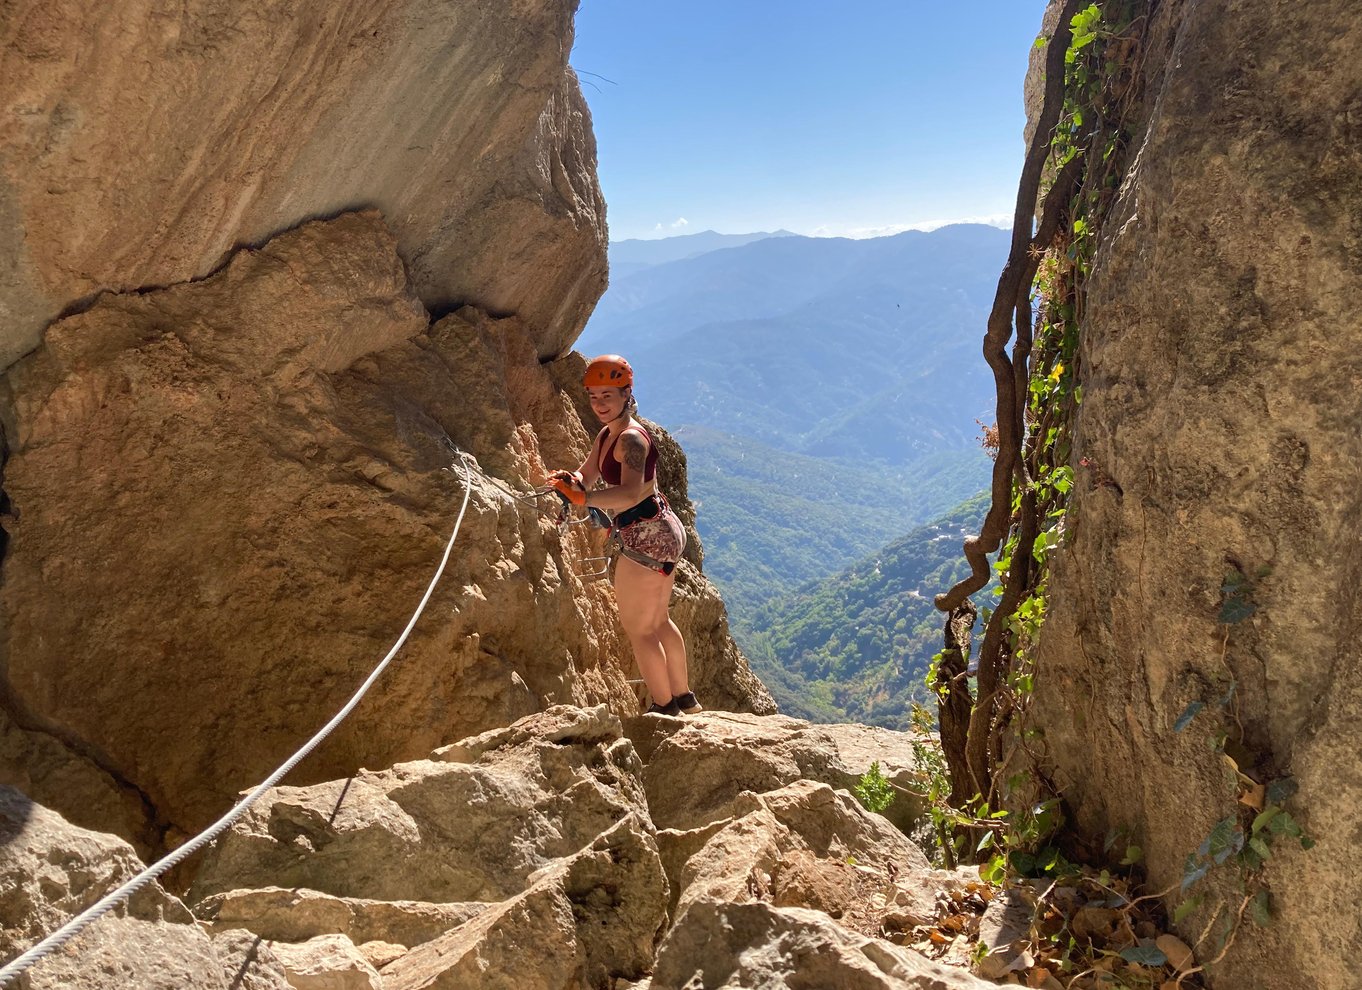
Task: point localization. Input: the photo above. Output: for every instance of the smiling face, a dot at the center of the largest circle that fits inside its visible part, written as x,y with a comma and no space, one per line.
607,403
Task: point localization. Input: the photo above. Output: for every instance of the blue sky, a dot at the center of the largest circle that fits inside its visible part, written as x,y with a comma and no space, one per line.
850,118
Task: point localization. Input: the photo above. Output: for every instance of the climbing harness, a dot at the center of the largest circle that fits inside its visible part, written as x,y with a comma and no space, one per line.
649,508
652,563
614,543
76,925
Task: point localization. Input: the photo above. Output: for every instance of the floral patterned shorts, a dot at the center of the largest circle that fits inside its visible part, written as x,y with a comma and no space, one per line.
662,537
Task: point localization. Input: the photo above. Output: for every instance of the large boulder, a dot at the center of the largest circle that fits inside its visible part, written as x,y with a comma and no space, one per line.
51,870
42,765
806,845
144,146
1210,550
543,822
758,946
437,831
697,765
582,923
243,483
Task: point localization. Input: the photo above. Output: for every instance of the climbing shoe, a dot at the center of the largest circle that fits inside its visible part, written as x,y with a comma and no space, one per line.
687,703
670,708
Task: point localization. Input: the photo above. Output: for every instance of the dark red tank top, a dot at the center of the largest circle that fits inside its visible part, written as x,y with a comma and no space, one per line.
610,468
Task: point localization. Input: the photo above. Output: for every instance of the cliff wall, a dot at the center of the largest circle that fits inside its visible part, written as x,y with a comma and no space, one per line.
1211,546
268,265
143,141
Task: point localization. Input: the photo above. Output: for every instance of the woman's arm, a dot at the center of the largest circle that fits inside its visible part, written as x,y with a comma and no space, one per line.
632,452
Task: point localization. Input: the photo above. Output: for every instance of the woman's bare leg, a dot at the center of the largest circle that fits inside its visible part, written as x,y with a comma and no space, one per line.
637,589
674,647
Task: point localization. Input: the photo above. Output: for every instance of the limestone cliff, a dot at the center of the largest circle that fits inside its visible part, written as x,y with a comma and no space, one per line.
566,851
227,477
143,141
1218,465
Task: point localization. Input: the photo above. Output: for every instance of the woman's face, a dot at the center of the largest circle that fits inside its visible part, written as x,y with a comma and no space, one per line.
607,403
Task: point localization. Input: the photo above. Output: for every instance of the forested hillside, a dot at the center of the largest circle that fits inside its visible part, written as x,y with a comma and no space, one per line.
856,646
773,521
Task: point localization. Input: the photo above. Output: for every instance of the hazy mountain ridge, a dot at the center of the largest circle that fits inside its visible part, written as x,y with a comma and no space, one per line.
635,254
823,346
779,275
829,379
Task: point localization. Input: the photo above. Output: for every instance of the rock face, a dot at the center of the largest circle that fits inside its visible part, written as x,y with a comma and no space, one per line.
805,845
718,946
523,857
248,962
719,755
436,831
51,870
327,962
541,834
242,481
1220,374
543,822
298,914
144,144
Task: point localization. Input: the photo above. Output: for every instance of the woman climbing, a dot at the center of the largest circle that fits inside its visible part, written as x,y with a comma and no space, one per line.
624,457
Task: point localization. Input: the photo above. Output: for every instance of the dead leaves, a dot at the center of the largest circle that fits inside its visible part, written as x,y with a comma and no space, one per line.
1254,795
1094,924
951,936
1087,933
1178,952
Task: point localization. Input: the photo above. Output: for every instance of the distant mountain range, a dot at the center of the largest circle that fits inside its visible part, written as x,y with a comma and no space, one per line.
846,349
627,257
825,390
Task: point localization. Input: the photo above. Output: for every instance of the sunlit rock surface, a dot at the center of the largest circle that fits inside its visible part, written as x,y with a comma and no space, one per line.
1218,460
51,870
226,500
142,143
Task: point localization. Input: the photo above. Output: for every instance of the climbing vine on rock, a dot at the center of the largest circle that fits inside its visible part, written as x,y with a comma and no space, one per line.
1072,170
1006,816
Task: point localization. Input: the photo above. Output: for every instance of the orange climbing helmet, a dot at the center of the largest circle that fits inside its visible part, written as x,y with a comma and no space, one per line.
608,371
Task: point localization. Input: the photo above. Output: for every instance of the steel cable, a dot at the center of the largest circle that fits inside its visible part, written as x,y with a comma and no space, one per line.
76,925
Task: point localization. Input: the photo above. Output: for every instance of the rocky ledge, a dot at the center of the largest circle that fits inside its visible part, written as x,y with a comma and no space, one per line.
567,850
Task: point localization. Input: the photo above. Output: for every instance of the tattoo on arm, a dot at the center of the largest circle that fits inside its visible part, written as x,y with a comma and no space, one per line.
635,450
